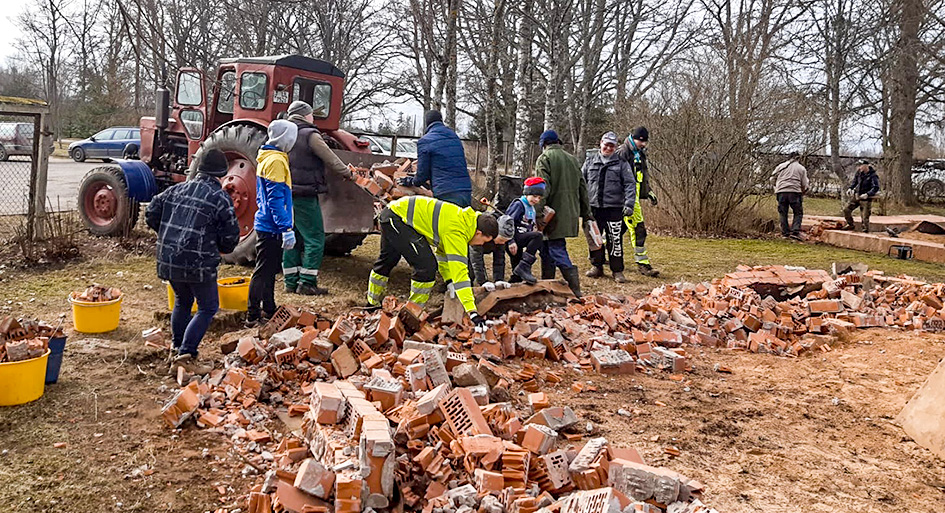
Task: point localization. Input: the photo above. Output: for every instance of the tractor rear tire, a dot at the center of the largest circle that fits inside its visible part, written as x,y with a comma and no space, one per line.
342,244
242,140
113,212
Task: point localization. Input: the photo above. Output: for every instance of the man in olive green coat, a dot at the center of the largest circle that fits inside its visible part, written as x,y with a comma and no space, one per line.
566,193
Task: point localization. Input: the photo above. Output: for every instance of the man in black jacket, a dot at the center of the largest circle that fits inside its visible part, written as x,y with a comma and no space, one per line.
611,189
862,191
195,223
308,159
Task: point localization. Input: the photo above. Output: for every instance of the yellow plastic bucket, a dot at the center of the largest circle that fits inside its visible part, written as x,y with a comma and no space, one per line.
170,299
234,293
24,381
99,317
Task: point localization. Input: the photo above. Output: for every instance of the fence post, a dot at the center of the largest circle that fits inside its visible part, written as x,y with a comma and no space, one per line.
42,141
393,146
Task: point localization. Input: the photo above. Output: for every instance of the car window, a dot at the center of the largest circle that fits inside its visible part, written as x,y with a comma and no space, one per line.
104,135
121,135
136,134
253,91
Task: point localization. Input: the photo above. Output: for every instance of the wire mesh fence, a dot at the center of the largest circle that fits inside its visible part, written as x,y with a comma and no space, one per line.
18,161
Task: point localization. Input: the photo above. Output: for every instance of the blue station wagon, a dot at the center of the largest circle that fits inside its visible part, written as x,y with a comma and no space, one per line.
116,142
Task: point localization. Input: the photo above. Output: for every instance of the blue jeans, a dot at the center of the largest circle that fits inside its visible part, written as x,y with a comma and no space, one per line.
461,199
189,331
554,253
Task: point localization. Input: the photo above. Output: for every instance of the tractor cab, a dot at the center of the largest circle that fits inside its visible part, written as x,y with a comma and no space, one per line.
231,111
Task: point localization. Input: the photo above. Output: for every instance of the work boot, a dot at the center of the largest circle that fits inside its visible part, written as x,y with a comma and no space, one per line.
290,289
647,270
573,278
848,227
310,290
524,269
191,365
619,277
595,272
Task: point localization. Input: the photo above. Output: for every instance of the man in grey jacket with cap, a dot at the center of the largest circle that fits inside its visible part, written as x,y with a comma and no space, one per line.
790,187
612,192
308,159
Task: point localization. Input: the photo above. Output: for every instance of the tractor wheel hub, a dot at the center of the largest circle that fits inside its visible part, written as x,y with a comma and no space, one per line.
105,202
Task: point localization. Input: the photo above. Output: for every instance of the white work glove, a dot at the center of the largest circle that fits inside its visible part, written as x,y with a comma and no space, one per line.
489,286
502,285
288,239
450,290
513,248
850,192
864,196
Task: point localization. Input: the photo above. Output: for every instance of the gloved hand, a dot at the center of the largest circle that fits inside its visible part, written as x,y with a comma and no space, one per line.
406,181
653,199
849,192
450,290
489,286
513,248
502,284
627,212
288,239
479,322
864,196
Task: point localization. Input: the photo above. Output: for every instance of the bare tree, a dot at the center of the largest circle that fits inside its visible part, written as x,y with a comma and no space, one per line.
46,44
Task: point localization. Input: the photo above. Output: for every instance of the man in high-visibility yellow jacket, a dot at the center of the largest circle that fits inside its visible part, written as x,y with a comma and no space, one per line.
415,226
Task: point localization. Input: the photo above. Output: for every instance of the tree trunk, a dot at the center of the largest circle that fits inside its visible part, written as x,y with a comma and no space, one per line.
523,92
449,117
905,78
492,71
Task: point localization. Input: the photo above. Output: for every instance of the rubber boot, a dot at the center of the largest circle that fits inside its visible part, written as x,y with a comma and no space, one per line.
595,272
547,269
524,269
572,276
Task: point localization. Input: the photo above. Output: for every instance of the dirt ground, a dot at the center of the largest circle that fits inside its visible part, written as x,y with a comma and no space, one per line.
777,434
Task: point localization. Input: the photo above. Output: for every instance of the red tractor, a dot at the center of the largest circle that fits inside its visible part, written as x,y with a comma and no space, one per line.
245,96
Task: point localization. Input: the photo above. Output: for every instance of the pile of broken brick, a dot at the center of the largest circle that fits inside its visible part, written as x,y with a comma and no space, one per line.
24,339
382,180
402,412
96,293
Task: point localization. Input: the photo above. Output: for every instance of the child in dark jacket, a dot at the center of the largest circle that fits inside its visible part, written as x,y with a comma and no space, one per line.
273,221
527,240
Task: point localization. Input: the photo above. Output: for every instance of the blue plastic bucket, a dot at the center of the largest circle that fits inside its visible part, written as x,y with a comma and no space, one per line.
56,346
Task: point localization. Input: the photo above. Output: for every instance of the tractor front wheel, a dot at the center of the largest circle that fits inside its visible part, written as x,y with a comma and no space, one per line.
104,204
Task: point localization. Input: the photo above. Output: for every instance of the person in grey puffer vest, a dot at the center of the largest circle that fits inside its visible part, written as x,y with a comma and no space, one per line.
309,158
611,190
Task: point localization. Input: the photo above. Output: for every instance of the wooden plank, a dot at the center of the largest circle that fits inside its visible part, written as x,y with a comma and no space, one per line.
923,417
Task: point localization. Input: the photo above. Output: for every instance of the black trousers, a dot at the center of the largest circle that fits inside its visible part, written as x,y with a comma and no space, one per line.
399,240
262,286
794,201
528,242
477,268
611,226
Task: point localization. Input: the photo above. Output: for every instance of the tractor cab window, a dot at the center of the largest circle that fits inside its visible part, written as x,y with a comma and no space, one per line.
188,88
227,88
316,94
253,91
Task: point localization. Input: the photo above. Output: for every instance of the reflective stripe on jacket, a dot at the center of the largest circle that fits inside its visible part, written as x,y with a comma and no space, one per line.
447,228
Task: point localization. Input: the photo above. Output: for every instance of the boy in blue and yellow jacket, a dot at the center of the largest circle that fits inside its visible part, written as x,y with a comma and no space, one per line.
273,221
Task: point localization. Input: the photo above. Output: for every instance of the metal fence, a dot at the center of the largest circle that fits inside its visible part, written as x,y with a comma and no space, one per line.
19,165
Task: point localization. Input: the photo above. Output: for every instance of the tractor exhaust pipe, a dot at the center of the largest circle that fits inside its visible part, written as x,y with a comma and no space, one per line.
162,108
